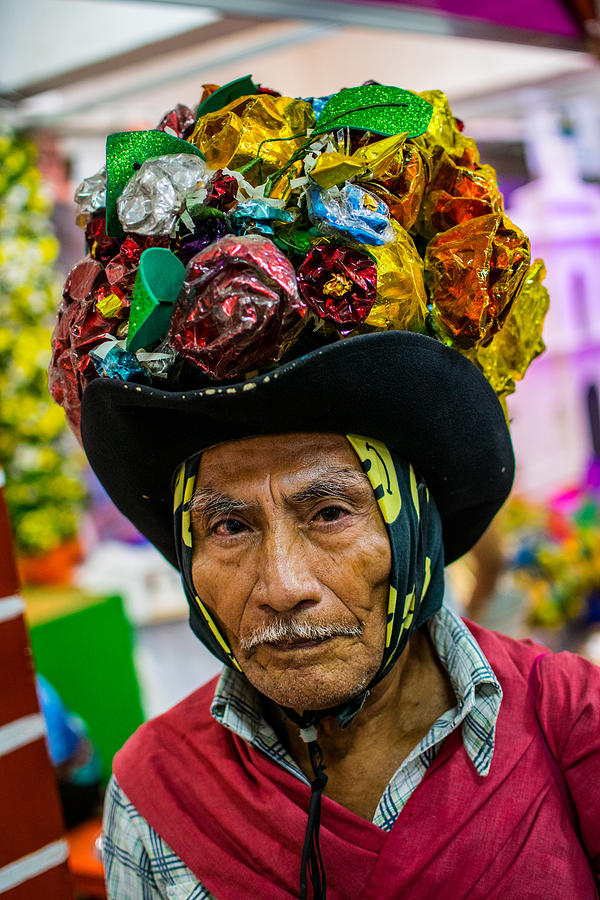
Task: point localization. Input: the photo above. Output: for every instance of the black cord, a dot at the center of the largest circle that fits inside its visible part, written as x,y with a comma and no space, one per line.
311,865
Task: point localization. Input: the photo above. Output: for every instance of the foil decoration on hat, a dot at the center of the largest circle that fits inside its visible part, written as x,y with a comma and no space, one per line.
350,212
90,196
238,301
339,284
155,196
376,215
125,153
112,360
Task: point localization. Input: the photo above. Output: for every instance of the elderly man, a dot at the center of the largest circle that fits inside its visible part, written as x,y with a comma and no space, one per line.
316,593
362,741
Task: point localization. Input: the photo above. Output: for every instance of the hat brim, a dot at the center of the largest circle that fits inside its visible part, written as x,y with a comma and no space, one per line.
420,397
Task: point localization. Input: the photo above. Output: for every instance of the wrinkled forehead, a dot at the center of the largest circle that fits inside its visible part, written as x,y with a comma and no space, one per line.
284,455
304,463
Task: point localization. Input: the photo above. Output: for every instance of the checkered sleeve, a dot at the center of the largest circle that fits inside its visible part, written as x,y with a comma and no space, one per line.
138,864
126,863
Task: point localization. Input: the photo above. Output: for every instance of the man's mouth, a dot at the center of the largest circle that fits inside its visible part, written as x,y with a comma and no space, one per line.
299,644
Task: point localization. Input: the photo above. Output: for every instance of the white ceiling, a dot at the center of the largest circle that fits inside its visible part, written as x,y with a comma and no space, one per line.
42,38
483,78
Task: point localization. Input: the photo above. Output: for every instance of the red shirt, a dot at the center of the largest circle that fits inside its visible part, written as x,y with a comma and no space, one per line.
529,829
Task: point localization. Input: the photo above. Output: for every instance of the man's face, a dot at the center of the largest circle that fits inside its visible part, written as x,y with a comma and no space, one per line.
291,556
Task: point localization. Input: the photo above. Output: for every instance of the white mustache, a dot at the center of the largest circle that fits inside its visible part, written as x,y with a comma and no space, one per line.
290,630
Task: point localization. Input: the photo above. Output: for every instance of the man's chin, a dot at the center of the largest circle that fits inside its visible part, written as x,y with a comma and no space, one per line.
309,690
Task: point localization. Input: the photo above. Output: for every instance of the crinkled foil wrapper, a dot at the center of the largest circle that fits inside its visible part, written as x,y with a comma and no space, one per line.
112,305
456,194
222,191
238,303
100,246
233,136
259,217
401,185
154,197
207,230
335,168
207,90
350,212
122,269
339,284
120,364
79,329
445,135
90,196
401,301
179,121
473,272
160,361
519,341
372,160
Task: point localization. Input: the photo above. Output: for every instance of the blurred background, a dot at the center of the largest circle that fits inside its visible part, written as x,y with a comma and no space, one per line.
105,613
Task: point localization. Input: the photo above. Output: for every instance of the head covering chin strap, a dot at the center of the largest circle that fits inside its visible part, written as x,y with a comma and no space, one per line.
416,592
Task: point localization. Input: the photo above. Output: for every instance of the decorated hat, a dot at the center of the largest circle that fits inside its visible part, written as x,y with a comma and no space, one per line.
270,264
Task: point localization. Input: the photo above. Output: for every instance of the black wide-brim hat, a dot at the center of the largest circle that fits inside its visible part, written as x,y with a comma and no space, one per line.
419,397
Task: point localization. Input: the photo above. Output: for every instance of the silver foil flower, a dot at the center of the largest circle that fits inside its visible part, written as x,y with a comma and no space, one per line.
155,196
90,196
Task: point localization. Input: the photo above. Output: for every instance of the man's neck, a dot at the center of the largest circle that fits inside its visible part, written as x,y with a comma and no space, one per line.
361,759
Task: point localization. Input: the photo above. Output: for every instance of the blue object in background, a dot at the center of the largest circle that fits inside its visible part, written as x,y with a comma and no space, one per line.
67,737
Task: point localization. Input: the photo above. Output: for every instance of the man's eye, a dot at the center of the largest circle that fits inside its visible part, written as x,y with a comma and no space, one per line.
227,527
330,513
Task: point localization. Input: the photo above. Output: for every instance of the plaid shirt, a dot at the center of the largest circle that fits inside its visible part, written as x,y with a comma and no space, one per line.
140,865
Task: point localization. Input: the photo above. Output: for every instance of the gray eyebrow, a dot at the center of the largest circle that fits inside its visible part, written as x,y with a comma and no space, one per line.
333,483
207,502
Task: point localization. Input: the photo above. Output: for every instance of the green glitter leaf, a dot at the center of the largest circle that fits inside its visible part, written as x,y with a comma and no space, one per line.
379,108
157,284
241,87
125,152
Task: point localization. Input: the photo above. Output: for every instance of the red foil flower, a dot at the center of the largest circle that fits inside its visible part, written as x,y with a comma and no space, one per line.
79,329
222,192
179,121
122,269
339,284
100,246
238,303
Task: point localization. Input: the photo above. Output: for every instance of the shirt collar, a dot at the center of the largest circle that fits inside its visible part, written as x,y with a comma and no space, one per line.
477,689
237,705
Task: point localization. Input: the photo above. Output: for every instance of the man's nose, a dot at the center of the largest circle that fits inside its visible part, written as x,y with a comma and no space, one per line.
285,572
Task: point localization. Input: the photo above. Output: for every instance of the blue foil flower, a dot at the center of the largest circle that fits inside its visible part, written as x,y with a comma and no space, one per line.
352,212
258,215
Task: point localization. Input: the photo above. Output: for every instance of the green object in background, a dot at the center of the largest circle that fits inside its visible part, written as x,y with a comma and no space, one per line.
83,647
157,283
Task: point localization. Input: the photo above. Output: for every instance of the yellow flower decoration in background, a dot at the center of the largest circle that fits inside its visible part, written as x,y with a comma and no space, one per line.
43,489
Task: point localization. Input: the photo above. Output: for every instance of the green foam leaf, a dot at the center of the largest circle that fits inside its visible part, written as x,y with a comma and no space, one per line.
241,87
157,284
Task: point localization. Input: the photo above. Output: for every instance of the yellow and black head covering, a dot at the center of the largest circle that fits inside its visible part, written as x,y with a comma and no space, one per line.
415,532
